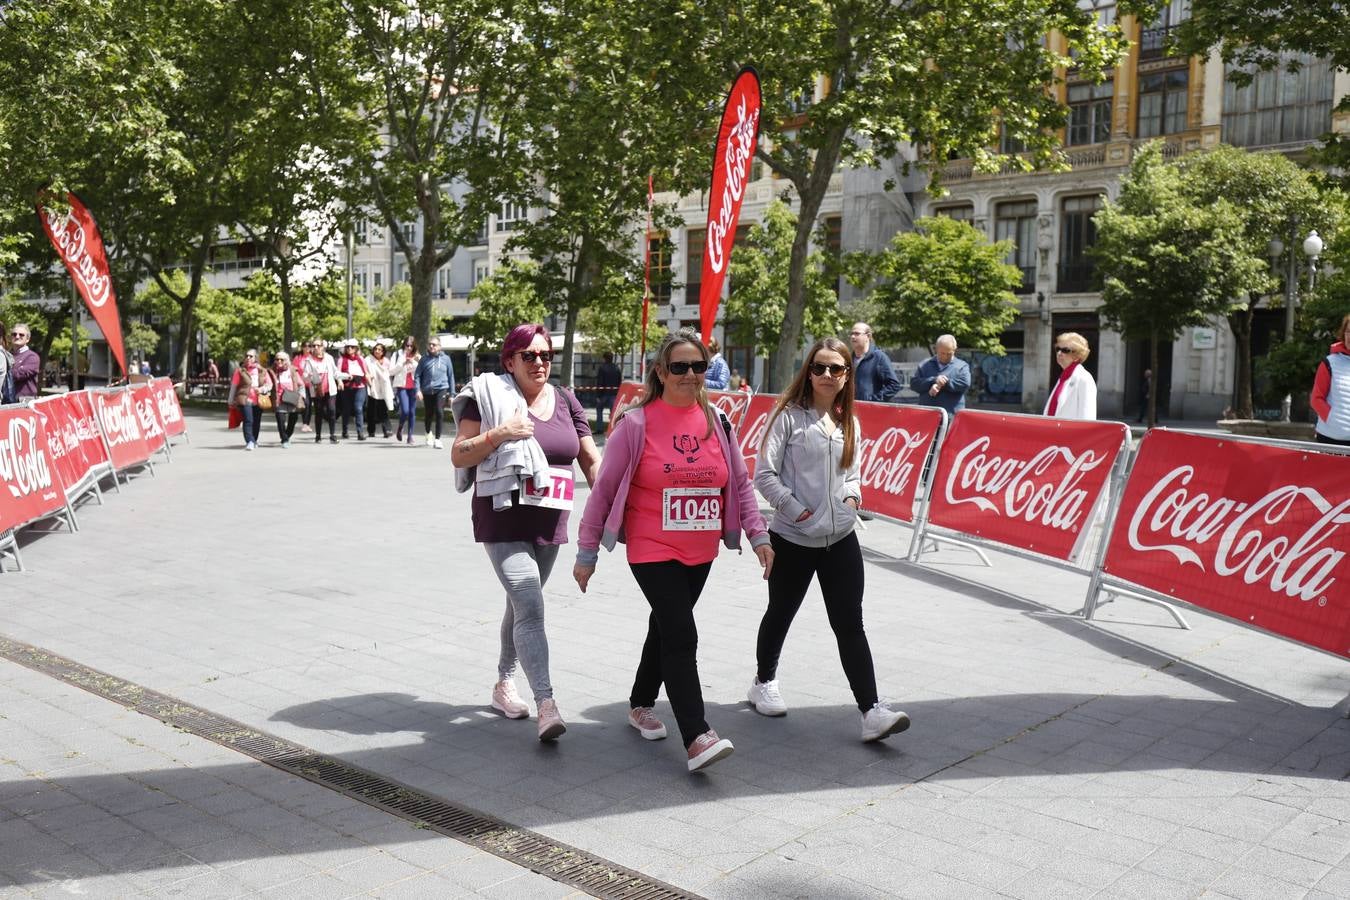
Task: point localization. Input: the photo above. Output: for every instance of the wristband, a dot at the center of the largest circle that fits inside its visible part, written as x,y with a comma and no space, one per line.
487,436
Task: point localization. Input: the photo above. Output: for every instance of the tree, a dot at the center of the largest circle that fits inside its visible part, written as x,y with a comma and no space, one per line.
615,93
1168,262
140,340
1270,193
392,315
440,126
760,271
940,77
945,277
612,322
507,298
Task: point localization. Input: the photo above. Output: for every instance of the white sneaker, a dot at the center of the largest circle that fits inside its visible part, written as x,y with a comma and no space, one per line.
248,446
437,444
881,722
766,700
429,440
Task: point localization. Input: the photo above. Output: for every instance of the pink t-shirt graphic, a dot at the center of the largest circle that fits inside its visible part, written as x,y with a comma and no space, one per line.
675,503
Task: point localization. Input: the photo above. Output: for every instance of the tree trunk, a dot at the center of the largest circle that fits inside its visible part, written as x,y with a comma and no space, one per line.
186,308
583,277
423,278
812,194
1153,382
1240,323
287,310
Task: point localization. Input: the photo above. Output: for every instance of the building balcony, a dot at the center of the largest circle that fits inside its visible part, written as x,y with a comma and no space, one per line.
1114,155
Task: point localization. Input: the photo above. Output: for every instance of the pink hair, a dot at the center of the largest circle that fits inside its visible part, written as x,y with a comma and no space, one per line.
521,337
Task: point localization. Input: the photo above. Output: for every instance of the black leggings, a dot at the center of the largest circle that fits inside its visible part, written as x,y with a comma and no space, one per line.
432,410
325,408
1323,439
286,423
670,653
839,569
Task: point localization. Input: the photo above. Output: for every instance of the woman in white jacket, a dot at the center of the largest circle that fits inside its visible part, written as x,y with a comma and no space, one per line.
808,472
1074,396
380,397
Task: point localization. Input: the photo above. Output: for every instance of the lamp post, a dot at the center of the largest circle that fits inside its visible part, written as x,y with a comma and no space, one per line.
1312,249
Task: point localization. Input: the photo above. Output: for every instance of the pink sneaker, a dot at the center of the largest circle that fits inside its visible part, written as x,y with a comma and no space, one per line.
551,725
648,725
507,702
707,749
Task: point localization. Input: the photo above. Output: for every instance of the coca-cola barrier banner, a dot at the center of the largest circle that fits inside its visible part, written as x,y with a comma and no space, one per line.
733,403
32,488
121,426
1249,531
895,442
80,407
77,241
147,413
167,405
1026,482
63,442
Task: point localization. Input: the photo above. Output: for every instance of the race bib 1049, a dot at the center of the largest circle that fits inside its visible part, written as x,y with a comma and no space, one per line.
691,509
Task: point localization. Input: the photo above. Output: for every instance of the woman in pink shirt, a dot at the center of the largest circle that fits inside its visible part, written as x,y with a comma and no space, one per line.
673,481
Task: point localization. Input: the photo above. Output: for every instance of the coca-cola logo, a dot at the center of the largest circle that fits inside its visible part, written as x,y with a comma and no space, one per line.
23,465
1020,486
728,404
168,406
145,409
753,435
119,421
71,241
1250,544
740,147
890,459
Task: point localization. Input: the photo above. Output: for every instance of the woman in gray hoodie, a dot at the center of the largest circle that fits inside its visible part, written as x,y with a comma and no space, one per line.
808,472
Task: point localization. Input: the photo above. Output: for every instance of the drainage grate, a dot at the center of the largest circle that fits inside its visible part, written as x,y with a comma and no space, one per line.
553,859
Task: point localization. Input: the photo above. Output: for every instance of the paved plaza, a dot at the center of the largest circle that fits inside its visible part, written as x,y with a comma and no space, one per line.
333,596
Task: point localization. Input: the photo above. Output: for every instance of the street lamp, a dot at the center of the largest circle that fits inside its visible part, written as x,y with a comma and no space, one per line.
1312,249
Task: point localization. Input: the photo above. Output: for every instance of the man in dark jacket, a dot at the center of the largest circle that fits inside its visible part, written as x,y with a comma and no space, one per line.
27,364
942,379
873,377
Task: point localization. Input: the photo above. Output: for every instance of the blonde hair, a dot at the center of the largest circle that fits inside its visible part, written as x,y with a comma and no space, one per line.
653,387
1077,344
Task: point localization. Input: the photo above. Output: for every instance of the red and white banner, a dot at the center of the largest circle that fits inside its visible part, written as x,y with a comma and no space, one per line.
1024,481
895,441
167,405
63,443
32,487
77,241
1248,531
754,421
732,155
121,427
147,413
80,406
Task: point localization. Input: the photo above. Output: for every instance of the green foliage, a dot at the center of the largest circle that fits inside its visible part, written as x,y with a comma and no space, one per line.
392,315
1290,365
945,277
1168,262
509,297
754,310
140,339
613,321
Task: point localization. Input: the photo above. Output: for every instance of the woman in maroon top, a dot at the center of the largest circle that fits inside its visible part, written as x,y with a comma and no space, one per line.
522,538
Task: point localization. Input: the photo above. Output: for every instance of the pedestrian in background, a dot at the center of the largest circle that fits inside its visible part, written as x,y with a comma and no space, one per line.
719,373
672,483
322,376
298,364
249,384
1075,394
403,374
874,378
288,395
1330,397
942,379
26,367
380,399
354,379
499,417
435,378
1145,388
607,382
808,471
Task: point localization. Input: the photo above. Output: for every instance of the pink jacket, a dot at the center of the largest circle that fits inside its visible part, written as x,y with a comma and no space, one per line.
602,521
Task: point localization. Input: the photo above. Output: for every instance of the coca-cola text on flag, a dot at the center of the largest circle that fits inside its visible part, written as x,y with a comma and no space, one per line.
1024,481
732,154
1254,532
77,241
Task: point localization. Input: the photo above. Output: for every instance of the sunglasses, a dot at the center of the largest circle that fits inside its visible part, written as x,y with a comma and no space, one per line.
17,334
834,369
531,356
1063,350
683,368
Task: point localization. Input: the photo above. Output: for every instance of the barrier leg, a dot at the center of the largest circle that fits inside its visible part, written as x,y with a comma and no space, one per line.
11,548
1094,600
930,543
71,521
